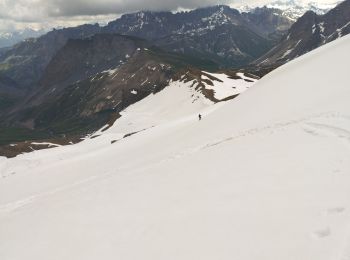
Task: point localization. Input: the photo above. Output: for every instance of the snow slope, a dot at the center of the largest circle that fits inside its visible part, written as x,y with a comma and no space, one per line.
264,176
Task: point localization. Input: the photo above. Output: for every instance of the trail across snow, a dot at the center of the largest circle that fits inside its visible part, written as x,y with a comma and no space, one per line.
264,176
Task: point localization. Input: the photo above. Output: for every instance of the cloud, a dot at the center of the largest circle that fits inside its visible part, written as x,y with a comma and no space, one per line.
31,10
37,14
52,13
20,10
93,7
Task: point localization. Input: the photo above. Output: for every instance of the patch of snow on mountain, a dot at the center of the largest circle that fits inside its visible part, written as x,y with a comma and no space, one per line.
110,72
321,26
287,53
340,30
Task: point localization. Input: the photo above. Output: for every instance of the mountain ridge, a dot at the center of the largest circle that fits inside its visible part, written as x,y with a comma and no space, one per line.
309,32
31,57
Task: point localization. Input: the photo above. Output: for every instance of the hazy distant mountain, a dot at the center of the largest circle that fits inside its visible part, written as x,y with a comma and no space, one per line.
25,62
8,39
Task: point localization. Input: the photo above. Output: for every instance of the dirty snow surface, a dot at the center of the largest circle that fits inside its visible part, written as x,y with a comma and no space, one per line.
225,87
265,176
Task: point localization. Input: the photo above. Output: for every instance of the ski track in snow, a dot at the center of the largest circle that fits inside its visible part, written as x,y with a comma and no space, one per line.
330,131
24,202
345,251
305,123
16,205
333,130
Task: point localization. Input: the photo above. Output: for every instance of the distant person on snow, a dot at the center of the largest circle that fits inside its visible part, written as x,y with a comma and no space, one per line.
200,117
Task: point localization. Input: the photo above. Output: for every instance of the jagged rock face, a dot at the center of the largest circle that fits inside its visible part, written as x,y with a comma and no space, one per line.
223,34
337,21
155,25
228,45
26,61
308,33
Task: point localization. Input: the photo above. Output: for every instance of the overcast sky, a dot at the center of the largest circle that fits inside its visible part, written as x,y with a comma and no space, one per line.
36,14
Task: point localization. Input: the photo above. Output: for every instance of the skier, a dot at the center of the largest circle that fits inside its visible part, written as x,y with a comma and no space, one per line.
200,117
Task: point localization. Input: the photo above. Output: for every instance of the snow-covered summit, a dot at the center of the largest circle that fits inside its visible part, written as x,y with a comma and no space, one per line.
293,9
263,176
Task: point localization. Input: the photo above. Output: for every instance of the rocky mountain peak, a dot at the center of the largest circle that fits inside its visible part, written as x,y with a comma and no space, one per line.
309,32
